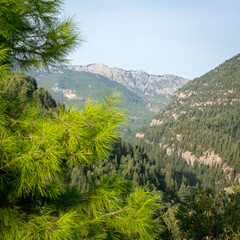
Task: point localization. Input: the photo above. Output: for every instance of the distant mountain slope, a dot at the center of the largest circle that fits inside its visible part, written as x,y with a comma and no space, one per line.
156,90
143,94
202,122
74,88
136,80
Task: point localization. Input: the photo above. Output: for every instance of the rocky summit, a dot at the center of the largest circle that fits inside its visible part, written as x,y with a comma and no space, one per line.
136,80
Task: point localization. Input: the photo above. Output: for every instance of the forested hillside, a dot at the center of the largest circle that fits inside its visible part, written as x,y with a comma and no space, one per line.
201,125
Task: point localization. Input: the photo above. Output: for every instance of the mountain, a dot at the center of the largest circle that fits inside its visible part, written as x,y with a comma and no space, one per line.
136,80
201,125
72,86
156,90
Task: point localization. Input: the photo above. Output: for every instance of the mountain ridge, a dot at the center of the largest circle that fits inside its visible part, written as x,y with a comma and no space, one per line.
135,79
152,94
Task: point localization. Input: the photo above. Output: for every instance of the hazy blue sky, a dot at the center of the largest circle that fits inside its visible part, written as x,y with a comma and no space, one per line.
182,37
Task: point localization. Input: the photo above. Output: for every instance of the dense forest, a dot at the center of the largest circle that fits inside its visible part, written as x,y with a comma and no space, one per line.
66,174
201,126
125,179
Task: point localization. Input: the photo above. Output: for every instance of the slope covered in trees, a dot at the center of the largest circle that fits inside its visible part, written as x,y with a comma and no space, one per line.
187,212
201,124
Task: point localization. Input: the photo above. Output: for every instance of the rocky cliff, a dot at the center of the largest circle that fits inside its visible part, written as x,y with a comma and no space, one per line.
136,80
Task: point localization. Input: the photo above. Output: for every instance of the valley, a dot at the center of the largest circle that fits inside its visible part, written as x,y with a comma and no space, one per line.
97,152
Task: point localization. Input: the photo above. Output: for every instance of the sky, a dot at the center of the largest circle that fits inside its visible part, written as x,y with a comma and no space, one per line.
186,38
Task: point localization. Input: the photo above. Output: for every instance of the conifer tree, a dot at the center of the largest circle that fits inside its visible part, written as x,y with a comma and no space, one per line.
32,33
183,192
38,147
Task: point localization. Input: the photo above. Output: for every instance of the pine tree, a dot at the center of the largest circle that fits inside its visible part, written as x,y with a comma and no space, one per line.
32,33
38,147
183,192
169,178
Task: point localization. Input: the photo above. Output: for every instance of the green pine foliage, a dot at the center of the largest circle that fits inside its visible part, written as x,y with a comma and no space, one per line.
3,58
32,33
37,149
55,142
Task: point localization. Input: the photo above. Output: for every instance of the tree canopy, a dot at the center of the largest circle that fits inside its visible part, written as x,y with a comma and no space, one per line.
33,33
41,141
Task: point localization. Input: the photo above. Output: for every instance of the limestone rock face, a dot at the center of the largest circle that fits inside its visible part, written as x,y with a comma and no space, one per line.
136,80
